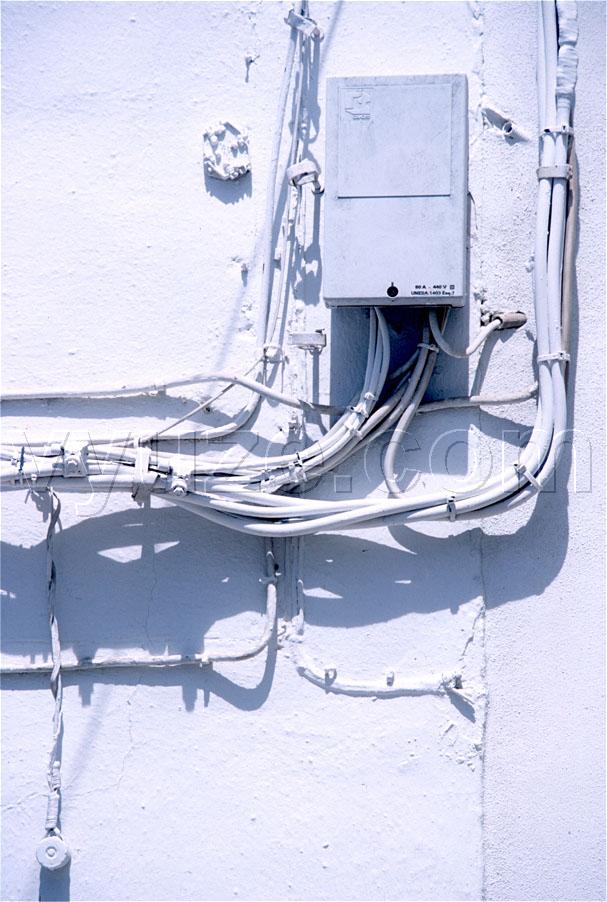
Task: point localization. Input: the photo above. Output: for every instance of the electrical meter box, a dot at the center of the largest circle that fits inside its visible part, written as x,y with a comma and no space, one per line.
395,222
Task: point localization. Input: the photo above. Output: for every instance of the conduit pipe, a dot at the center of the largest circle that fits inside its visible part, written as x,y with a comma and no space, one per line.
386,401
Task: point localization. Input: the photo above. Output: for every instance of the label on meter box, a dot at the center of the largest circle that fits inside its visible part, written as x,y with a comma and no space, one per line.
432,289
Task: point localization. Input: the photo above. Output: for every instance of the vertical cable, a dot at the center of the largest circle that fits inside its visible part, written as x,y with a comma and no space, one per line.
53,852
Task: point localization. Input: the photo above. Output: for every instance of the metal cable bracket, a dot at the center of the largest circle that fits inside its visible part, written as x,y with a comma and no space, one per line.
555,355
555,132
144,479
562,171
75,459
307,26
304,173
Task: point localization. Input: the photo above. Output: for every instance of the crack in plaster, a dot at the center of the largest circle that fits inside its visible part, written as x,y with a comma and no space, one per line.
131,747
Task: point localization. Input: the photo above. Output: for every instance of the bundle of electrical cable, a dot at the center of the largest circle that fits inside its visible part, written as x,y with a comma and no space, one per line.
268,496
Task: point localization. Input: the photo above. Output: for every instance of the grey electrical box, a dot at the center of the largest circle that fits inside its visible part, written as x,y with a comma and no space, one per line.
396,191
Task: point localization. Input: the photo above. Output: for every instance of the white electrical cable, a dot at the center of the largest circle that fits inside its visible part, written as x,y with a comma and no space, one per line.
53,852
474,345
255,386
254,495
263,496
479,400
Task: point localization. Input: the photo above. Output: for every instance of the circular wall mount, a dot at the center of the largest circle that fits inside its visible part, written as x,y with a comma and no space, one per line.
53,852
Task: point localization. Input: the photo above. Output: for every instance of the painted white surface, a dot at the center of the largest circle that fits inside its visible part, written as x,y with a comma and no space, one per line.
249,782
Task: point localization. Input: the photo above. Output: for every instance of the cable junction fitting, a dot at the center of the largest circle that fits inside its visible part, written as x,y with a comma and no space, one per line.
508,319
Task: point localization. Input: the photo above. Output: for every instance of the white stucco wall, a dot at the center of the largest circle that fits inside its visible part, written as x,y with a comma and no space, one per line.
120,264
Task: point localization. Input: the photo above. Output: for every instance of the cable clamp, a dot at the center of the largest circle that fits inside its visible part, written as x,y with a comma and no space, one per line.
297,470
304,173
270,484
272,352
555,132
75,459
307,26
429,346
309,341
361,409
354,429
361,412
451,508
143,479
556,355
563,171
178,482
523,472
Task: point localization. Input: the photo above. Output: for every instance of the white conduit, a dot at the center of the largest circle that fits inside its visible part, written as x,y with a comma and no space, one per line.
444,345
392,686
254,495
240,652
327,677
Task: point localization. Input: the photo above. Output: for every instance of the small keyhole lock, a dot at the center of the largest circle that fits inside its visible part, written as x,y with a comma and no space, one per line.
392,290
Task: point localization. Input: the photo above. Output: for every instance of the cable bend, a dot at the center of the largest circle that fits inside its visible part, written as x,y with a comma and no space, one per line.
444,345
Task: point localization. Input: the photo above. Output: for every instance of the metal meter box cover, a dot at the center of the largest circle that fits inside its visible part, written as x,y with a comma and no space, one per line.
395,226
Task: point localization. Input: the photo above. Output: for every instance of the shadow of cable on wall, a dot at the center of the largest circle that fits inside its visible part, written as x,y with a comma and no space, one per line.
54,885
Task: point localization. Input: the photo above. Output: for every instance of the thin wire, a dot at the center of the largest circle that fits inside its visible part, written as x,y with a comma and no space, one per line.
476,342
204,405
56,684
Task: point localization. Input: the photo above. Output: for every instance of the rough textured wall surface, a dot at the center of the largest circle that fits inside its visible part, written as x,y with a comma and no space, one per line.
543,577
122,263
